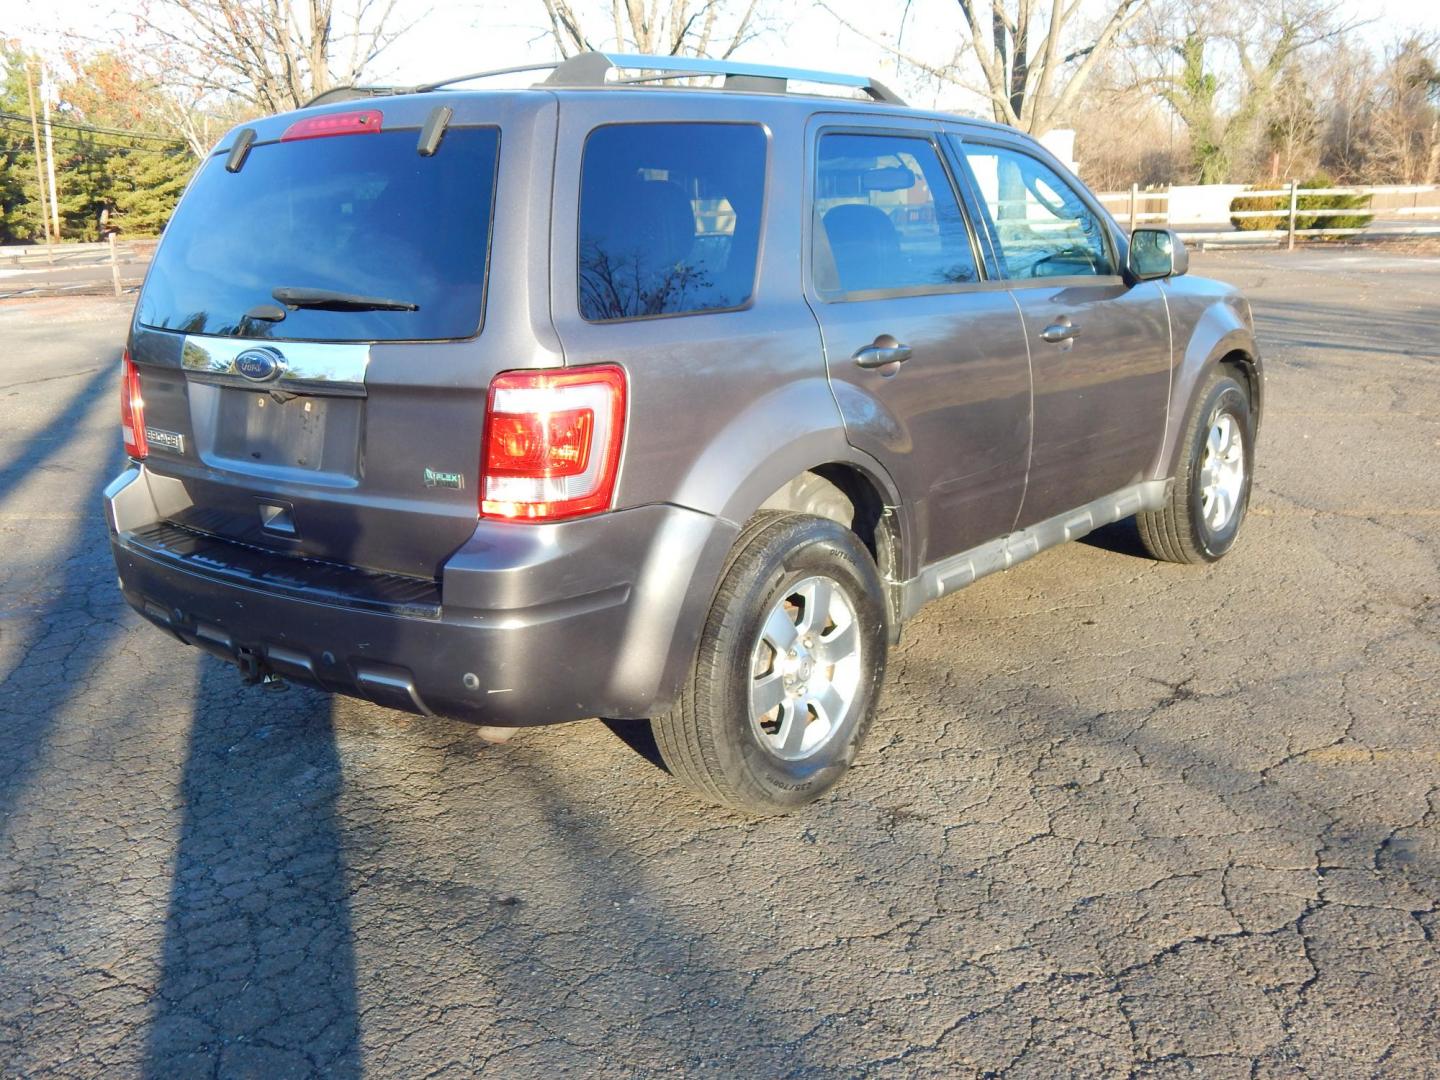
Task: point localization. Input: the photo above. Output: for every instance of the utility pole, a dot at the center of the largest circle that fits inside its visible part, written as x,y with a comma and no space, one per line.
39,168
50,149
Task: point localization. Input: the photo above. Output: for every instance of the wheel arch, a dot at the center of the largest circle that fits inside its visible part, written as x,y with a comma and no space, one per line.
1247,366
744,468
859,499
1221,336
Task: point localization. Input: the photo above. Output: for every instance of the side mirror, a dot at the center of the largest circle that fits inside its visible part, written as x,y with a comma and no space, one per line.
1157,253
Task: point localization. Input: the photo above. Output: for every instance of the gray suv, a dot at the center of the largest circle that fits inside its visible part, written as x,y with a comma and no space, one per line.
633,398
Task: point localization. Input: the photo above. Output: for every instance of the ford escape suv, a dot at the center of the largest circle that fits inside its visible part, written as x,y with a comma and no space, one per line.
636,398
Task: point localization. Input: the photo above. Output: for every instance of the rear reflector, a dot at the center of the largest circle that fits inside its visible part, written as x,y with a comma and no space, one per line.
360,122
552,443
132,410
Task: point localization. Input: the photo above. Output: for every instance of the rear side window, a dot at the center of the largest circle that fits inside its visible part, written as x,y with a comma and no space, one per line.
887,217
669,219
363,215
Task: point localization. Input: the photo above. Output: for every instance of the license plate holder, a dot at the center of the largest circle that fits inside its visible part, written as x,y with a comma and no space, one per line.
265,429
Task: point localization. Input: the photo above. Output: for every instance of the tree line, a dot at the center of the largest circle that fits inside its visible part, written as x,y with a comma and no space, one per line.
1157,91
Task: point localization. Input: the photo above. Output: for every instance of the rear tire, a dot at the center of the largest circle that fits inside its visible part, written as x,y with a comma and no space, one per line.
785,681
1211,490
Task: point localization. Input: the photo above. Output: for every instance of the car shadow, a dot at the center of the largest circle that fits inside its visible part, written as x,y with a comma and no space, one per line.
1120,537
639,737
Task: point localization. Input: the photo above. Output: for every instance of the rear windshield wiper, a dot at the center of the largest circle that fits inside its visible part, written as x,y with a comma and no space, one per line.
293,296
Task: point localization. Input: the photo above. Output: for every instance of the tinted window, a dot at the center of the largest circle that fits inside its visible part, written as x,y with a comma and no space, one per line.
359,214
669,218
887,216
1041,224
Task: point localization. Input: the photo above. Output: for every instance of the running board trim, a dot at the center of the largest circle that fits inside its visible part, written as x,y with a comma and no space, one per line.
957,571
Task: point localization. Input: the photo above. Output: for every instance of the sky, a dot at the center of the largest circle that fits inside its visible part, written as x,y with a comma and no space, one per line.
471,35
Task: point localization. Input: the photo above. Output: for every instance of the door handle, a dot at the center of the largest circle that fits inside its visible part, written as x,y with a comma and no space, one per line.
884,352
1060,330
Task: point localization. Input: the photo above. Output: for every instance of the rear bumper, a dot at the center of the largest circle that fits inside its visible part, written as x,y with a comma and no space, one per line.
530,624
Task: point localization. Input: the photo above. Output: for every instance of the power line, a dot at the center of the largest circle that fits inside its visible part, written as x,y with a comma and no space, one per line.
79,140
83,144
97,130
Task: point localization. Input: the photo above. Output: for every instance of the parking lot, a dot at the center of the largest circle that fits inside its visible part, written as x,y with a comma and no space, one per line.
1114,816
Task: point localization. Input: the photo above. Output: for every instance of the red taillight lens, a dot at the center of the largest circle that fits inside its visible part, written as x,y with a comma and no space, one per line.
542,445
132,410
360,122
552,443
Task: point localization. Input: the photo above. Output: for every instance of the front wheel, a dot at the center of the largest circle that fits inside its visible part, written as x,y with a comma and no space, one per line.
789,667
1212,483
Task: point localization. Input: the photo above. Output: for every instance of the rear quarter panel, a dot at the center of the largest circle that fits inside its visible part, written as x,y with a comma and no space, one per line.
720,403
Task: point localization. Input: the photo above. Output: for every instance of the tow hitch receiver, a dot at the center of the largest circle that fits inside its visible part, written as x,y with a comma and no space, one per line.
254,671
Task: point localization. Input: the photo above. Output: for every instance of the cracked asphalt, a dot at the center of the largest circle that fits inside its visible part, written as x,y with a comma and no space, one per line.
1115,817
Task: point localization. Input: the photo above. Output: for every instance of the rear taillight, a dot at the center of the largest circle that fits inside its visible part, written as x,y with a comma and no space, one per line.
360,122
552,443
132,410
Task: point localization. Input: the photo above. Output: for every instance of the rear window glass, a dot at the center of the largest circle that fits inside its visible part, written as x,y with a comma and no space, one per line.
364,215
888,217
669,218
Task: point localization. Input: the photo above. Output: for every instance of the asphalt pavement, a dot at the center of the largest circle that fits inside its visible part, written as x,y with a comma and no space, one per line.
1115,817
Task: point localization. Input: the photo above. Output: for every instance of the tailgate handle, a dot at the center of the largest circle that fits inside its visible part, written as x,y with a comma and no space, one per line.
277,518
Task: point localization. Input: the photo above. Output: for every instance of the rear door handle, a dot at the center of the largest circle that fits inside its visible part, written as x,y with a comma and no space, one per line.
1061,330
884,352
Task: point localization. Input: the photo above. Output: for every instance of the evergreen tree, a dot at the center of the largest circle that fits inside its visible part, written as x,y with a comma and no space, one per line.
145,188
19,200
138,180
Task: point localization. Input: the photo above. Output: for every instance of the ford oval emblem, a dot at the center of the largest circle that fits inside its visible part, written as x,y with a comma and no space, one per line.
260,365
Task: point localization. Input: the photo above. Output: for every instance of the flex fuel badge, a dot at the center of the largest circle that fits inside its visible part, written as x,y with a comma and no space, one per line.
435,478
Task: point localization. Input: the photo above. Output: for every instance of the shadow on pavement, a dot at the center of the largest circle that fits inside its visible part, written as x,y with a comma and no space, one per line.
75,621
1122,537
62,432
257,971
637,735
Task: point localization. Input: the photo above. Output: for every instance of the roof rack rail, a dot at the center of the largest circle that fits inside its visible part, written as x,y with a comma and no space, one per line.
351,93
493,72
590,69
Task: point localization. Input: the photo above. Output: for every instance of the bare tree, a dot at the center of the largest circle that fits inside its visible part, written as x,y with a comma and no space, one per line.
1347,73
1142,150
1261,39
1404,138
656,27
1293,126
1032,77
1034,58
276,54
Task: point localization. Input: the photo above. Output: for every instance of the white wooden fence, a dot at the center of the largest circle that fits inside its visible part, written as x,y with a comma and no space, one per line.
1134,207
